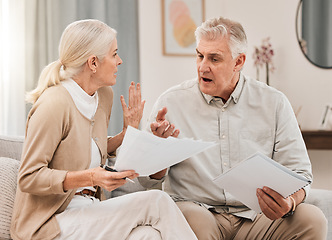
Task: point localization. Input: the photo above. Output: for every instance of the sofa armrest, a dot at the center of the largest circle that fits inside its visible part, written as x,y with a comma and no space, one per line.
322,199
11,147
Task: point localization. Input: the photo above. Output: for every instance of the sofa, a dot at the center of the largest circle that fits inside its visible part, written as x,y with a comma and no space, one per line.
10,153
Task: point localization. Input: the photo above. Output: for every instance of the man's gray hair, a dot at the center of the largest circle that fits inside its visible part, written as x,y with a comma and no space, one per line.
215,28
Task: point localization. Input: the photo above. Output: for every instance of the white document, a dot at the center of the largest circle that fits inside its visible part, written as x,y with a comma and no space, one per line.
147,154
255,172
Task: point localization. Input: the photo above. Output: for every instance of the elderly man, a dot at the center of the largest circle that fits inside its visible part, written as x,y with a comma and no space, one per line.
243,116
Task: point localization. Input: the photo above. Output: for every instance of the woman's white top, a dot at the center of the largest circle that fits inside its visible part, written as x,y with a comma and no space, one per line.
87,105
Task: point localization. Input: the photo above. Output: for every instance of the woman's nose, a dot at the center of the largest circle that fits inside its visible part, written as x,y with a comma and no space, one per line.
120,61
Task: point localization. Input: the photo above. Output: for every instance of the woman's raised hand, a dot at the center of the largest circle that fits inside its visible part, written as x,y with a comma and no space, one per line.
132,114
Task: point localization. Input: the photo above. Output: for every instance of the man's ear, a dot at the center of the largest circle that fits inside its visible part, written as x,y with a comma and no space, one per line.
240,60
92,63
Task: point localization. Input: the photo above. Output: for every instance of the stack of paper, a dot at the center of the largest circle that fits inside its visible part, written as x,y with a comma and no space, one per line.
255,172
147,154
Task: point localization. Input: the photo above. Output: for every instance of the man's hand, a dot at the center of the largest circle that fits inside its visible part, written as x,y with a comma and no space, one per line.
159,175
161,127
273,205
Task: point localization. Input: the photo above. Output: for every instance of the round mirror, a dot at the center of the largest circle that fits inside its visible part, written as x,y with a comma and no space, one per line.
314,31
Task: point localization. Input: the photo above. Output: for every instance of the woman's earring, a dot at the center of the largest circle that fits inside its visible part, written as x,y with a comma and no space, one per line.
94,71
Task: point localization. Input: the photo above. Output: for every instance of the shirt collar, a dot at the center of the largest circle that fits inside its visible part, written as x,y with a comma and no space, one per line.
235,94
207,97
78,92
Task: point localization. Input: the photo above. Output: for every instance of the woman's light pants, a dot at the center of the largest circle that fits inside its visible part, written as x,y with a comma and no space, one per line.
122,217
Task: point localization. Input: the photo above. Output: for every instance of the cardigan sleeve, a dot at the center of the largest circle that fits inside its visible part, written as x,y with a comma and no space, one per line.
46,127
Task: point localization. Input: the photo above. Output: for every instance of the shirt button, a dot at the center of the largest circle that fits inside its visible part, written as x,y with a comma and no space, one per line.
223,109
225,164
223,136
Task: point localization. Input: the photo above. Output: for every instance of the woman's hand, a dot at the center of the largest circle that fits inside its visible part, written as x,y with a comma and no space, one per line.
97,177
110,180
132,114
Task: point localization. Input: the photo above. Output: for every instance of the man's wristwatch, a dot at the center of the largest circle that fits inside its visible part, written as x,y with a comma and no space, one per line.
291,212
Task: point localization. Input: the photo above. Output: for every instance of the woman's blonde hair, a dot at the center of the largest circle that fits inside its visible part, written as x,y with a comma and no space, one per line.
78,42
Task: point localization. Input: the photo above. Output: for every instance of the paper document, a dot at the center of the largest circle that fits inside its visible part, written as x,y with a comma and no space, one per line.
255,172
147,154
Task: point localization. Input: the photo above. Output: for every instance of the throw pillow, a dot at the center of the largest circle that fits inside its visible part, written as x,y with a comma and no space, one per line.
8,182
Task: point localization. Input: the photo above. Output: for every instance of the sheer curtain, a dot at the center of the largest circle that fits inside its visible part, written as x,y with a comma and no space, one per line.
12,67
44,22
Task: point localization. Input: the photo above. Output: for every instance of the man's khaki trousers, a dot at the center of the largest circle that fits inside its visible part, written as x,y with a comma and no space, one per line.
308,222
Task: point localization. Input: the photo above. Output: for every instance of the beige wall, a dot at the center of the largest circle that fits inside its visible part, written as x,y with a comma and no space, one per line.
304,84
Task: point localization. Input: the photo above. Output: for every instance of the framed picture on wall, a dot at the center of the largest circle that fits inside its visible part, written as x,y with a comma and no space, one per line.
180,18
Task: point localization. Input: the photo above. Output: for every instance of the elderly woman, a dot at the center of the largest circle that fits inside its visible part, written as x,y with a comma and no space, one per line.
60,179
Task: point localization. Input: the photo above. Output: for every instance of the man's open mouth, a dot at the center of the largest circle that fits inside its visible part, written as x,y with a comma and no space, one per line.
206,79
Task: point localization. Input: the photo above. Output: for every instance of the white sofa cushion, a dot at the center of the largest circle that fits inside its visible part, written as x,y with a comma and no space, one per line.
8,182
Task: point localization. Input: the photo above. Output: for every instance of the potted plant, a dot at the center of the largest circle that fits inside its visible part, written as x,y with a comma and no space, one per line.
263,58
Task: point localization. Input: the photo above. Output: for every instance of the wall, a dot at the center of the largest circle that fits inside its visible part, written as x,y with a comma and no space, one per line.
305,85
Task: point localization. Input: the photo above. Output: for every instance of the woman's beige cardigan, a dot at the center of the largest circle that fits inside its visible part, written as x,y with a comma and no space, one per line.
58,139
